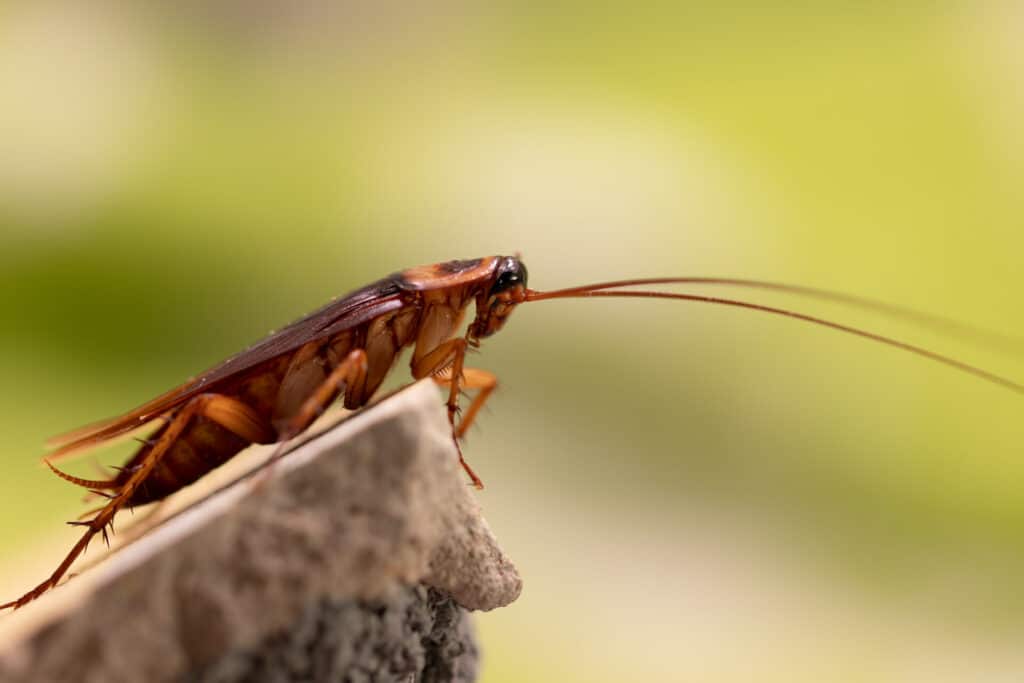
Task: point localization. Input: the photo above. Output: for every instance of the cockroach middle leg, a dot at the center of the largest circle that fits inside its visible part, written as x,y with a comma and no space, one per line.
214,406
350,373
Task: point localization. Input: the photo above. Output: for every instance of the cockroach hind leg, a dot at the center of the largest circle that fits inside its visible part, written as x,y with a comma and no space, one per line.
350,372
99,523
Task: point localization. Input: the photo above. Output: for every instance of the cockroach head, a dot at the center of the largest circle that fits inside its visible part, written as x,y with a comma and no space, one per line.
503,292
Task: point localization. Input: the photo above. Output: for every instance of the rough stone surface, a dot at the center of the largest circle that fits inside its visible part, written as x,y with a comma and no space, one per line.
418,635
341,533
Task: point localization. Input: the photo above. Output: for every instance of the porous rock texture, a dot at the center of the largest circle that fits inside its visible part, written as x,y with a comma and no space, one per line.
419,634
355,559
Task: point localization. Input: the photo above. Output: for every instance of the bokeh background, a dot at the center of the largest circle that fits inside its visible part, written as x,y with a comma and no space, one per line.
691,493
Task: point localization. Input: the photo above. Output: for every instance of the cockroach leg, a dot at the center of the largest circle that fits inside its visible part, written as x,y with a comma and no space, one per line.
445,365
350,372
445,360
472,378
200,405
439,358
478,483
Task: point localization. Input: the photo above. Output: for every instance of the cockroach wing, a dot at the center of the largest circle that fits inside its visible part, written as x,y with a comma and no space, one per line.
339,315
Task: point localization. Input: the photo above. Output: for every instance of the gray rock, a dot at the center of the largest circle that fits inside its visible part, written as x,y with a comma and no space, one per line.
319,572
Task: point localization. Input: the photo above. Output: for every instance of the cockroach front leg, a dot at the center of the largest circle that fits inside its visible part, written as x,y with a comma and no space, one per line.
445,365
472,378
228,412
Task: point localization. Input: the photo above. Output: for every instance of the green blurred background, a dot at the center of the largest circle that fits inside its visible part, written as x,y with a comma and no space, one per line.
690,493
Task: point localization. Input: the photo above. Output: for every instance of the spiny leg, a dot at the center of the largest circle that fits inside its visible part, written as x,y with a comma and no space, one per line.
213,406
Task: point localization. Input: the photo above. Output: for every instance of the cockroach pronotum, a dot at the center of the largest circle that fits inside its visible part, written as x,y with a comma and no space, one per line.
274,390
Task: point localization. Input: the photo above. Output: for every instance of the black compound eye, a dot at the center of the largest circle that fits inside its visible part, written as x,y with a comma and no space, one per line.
506,281
513,274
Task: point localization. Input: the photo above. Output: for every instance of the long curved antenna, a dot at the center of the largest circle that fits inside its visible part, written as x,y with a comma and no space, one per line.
997,341
601,291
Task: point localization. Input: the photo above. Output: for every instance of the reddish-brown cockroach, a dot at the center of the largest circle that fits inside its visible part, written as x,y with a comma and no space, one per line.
274,390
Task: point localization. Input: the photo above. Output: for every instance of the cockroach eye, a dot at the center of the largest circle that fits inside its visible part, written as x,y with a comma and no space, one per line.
511,272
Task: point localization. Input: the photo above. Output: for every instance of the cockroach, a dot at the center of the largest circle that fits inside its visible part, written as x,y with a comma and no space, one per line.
274,390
